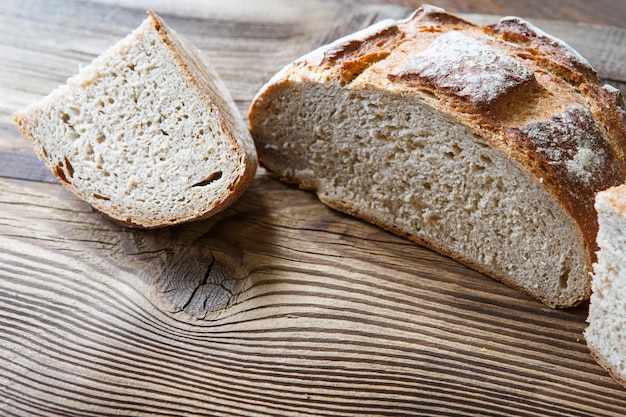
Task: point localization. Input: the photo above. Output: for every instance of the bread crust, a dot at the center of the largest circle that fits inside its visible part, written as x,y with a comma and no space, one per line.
606,367
528,83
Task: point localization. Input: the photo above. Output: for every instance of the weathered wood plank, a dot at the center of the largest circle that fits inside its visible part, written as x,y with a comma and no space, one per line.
329,316
602,12
277,306
46,41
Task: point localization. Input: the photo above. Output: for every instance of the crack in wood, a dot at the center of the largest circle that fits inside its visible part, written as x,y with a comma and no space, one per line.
198,284
205,281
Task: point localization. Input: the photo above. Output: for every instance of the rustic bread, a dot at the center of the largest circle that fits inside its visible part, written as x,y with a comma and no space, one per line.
147,133
485,143
606,333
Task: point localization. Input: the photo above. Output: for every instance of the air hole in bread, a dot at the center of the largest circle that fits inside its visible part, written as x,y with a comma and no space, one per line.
209,179
100,197
430,217
428,93
69,169
381,136
564,278
58,170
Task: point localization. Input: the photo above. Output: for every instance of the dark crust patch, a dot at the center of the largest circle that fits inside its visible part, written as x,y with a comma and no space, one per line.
608,107
571,142
548,52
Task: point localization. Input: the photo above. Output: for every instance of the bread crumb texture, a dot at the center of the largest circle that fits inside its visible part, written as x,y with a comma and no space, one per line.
479,142
142,135
606,333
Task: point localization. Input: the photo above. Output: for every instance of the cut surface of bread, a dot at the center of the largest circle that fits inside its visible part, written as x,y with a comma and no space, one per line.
147,133
606,333
486,144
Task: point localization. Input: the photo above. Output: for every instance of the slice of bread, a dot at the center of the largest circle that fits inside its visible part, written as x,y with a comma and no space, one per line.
147,133
606,333
485,143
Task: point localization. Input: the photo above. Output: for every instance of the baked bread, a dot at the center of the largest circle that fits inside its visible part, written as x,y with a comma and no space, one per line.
606,334
147,133
485,143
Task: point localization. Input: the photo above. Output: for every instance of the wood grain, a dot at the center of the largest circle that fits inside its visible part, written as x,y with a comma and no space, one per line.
278,306
329,316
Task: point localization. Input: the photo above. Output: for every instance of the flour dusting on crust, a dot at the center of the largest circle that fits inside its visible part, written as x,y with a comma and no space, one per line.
571,140
466,67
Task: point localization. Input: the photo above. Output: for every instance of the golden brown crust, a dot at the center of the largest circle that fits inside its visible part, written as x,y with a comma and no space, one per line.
545,50
437,16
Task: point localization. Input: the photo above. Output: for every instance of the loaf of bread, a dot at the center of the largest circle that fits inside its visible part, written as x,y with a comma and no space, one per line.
485,143
606,333
147,133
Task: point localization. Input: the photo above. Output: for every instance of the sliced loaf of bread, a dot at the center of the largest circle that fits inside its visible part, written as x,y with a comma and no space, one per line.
485,143
606,333
147,133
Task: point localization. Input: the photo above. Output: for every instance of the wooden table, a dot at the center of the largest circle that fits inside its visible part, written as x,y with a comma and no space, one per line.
305,311
602,12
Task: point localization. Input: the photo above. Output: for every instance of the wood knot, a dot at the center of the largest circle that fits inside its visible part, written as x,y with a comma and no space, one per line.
198,284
